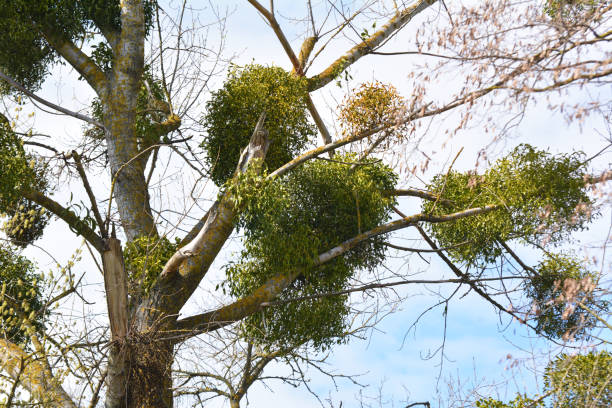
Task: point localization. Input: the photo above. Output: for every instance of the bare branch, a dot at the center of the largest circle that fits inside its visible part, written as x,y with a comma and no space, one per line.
51,105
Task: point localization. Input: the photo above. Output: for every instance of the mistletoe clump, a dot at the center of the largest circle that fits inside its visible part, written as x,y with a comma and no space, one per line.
371,105
581,380
539,197
144,259
560,290
21,303
19,173
233,110
288,224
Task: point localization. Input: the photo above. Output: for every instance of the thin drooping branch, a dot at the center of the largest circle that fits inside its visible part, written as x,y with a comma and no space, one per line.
516,257
48,104
465,276
413,192
372,286
419,250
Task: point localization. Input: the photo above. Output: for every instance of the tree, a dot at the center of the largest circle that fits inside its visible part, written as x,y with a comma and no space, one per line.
310,223
570,380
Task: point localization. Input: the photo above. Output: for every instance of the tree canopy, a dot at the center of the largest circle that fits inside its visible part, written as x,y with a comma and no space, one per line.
193,177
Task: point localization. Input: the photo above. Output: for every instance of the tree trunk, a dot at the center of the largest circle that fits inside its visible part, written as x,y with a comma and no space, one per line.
120,106
147,364
150,373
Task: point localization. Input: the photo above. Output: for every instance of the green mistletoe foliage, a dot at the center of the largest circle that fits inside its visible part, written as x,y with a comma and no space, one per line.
144,259
521,401
580,380
21,303
25,55
570,381
287,223
16,171
541,198
571,8
19,172
560,282
233,110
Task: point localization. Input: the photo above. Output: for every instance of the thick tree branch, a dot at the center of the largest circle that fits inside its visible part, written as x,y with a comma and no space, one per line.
305,51
78,60
186,268
251,304
368,45
465,276
256,150
121,105
269,16
325,135
74,222
172,123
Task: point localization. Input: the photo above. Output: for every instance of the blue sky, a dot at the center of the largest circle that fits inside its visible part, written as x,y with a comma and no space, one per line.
477,344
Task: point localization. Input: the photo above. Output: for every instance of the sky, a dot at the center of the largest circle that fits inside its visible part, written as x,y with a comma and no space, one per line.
479,348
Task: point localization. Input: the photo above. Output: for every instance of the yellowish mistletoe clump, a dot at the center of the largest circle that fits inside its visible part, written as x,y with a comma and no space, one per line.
371,105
